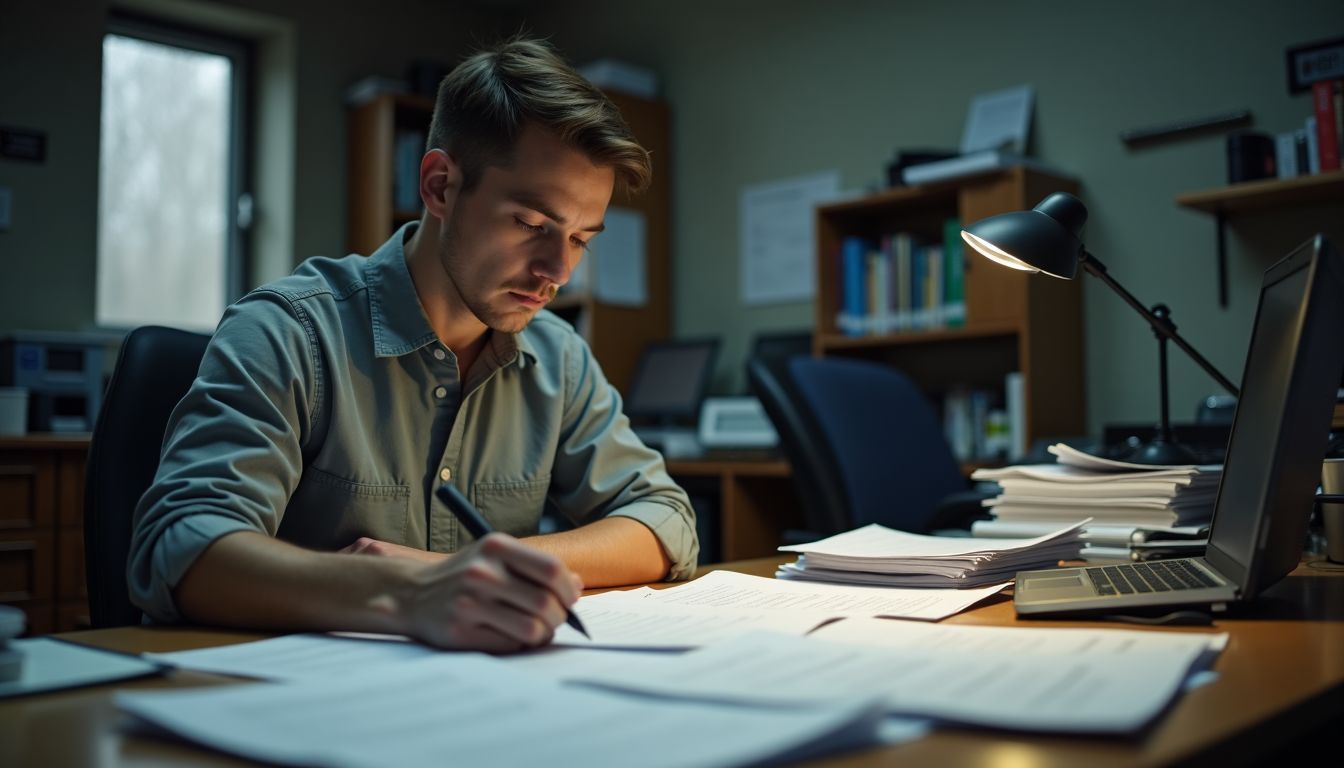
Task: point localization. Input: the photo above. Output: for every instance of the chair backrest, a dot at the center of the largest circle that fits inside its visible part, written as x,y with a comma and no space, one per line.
154,369
815,476
886,442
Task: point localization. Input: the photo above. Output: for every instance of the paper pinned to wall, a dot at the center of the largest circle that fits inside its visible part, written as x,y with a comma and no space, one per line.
618,259
778,236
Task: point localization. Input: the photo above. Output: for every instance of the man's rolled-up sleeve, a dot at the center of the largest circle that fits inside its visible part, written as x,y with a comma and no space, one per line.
233,448
602,469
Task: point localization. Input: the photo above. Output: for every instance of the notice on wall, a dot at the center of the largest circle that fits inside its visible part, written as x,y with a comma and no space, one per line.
619,257
777,234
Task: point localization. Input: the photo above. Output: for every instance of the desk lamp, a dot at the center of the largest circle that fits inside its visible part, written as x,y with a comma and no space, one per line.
1046,239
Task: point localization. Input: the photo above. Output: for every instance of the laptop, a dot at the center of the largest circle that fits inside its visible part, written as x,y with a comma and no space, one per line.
1270,473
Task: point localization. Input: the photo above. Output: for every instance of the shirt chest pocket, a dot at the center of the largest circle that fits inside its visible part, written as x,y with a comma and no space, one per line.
514,508
328,512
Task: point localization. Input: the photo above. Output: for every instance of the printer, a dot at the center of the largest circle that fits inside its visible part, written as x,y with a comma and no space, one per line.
63,373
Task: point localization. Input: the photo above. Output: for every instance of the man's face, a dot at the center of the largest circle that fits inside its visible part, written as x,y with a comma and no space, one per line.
514,239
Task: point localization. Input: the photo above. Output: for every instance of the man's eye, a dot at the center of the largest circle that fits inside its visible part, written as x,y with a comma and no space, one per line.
528,227
579,243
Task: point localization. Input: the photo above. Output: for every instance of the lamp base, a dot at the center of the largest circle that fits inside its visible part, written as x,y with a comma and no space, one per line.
1159,451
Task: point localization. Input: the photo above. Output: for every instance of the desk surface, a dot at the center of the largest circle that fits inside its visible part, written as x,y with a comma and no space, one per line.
1281,677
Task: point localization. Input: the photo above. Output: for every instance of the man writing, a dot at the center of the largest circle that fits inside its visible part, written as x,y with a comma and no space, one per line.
296,486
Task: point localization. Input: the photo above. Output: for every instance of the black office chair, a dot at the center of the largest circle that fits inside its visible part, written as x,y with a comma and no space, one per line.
154,369
865,447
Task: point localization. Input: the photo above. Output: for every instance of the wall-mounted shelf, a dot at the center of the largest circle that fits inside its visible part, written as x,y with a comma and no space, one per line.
1253,197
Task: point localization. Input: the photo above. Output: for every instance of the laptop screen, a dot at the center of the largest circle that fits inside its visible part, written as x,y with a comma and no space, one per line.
1282,420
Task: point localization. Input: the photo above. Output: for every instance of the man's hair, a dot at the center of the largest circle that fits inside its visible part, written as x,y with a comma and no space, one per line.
484,103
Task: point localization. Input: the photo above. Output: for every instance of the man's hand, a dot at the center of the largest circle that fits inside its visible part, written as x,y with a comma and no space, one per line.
496,595
367,546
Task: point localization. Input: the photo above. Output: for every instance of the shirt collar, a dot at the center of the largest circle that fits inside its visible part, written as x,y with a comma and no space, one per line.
399,322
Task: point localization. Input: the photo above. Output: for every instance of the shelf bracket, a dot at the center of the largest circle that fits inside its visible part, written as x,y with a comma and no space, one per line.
1220,219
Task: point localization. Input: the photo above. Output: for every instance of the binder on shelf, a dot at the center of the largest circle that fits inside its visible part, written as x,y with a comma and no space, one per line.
969,165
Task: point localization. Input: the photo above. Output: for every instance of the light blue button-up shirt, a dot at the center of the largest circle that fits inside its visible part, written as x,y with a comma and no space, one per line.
327,409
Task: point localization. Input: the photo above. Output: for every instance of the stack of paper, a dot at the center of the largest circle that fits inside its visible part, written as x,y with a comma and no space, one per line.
1118,496
878,555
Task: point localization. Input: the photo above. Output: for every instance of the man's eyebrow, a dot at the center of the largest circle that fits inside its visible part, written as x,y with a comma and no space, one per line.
538,205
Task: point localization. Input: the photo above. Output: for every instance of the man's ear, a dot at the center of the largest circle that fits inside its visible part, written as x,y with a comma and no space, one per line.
440,183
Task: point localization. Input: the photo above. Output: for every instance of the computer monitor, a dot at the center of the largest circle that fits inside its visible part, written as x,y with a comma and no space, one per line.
670,381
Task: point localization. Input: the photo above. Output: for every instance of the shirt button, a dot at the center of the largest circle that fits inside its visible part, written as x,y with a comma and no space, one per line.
440,392
439,354
445,474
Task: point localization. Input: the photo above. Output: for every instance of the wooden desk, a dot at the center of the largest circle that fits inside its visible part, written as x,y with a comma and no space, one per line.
1279,692
756,502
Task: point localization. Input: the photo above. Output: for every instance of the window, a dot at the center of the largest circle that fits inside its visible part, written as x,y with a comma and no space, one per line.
172,210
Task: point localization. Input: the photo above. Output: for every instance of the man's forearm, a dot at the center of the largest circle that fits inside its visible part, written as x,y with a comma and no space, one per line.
614,551
251,580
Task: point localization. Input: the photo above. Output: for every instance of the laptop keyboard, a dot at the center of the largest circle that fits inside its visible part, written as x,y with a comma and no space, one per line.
1159,576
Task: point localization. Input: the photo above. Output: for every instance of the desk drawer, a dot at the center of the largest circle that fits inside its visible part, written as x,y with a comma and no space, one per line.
26,567
27,490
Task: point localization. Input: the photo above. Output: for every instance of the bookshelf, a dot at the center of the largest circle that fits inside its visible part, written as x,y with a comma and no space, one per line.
1014,321
374,127
617,333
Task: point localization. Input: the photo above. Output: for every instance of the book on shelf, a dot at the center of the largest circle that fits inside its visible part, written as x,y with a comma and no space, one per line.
409,147
986,425
969,165
1328,131
1313,146
900,282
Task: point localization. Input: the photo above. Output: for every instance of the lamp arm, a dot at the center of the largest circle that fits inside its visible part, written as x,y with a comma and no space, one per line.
1164,329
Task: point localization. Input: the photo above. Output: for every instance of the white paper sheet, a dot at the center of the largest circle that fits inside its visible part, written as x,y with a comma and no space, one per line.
639,622
737,591
1060,686
876,541
470,709
1054,642
777,235
298,657
619,259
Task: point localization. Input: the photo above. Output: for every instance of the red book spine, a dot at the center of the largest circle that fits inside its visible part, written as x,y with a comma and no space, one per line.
1327,140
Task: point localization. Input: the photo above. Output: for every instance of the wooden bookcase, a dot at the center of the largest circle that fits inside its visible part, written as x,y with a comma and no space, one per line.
616,333
1015,321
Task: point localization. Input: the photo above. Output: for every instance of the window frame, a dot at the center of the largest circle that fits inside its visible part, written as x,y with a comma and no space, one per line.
240,52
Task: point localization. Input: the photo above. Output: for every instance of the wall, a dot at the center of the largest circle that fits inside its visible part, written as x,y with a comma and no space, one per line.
762,91
767,90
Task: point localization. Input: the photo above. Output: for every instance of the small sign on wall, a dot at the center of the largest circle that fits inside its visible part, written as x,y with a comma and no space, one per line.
1315,61
23,144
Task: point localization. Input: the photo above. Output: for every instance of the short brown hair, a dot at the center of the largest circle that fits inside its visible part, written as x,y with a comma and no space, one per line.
486,100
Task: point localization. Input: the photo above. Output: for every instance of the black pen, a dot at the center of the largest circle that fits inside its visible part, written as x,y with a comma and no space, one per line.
476,525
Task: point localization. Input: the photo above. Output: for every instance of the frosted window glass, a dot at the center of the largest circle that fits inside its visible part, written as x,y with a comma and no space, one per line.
163,203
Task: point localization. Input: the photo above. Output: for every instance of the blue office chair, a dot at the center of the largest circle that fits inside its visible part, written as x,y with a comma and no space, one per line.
865,446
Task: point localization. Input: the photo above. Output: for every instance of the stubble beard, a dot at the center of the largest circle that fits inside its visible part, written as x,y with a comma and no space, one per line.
495,320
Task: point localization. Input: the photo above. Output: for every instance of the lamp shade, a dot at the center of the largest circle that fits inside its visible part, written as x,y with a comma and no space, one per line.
1044,239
